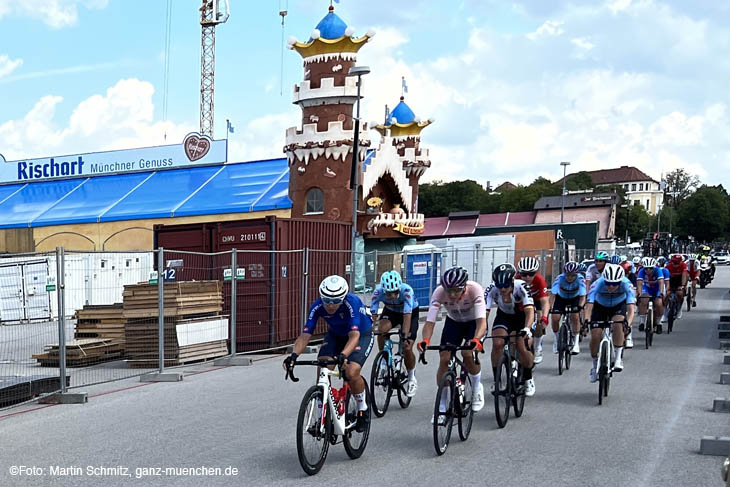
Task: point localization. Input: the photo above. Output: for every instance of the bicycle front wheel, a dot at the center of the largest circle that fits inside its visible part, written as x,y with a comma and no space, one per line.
465,414
313,436
649,328
443,420
355,441
401,376
502,391
381,384
568,353
689,299
518,396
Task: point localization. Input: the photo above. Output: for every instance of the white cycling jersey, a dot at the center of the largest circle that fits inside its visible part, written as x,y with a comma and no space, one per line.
521,297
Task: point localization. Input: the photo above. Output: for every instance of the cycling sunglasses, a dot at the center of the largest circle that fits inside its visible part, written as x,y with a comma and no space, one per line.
613,284
527,274
392,293
332,300
504,285
454,290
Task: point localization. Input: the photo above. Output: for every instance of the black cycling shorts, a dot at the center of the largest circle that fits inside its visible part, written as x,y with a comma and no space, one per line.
396,319
456,332
334,344
561,303
675,282
605,313
506,321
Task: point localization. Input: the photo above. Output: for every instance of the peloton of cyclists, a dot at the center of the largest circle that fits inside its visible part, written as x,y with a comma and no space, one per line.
400,309
528,271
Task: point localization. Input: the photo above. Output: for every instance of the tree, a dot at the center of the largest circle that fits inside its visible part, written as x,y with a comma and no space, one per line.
705,214
679,185
440,199
579,181
639,223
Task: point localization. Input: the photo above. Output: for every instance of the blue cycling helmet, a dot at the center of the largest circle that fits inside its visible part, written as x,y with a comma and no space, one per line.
582,268
602,255
391,281
616,259
571,267
661,260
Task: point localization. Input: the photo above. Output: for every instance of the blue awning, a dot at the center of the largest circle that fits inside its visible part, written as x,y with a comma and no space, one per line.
222,188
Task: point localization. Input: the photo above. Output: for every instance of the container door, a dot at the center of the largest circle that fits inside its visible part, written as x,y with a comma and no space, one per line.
37,299
11,293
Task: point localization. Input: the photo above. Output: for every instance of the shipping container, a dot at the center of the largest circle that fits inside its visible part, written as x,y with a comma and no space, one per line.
271,301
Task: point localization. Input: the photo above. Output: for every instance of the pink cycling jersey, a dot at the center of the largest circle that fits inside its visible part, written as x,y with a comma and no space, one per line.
469,306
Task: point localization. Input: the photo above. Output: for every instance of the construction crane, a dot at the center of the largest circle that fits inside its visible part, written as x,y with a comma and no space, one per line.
212,13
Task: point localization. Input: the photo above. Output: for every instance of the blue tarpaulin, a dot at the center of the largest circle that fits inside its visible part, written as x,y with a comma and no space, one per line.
209,190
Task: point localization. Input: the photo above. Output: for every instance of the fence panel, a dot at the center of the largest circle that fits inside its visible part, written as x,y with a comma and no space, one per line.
29,334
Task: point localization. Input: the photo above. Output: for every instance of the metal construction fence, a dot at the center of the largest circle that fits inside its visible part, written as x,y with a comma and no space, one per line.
71,319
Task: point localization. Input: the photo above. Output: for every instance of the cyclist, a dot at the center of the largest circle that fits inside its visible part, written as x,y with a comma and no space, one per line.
349,336
466,320
515,313
628,268
693,271
616,259
594,270
400,308
650,284
611,298
678,275
582,268
528,267
569,289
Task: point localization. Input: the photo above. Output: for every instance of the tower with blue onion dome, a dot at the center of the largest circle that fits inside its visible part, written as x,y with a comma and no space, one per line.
391,176
320,152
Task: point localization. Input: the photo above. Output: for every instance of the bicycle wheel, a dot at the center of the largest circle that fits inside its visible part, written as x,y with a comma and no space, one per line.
562,348
502,391
568,352
671,316
354,441
649,329
518,393
443,421
401,384
381,384
465,413
689,299
312,437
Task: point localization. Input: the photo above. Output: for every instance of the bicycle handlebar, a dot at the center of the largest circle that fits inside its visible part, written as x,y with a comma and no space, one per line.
388,333
449,347
318,363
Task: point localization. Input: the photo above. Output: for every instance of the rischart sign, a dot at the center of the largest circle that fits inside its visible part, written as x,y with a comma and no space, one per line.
195,150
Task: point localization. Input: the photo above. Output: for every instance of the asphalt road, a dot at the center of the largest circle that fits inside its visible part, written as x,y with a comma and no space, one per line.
647,433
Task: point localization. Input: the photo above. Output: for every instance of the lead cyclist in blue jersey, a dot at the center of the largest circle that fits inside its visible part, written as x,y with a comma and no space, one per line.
611,298
400,308
349,336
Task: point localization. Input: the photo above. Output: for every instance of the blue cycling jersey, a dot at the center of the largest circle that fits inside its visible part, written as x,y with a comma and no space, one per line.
600,294
350,316
405,302
569,290
651,281
666,273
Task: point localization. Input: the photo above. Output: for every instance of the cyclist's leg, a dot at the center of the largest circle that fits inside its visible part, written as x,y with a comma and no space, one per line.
355,362
452,333
694,290
498,330
408,355
384,326
658,308
556,313
599,313
472,367
574,319
329,348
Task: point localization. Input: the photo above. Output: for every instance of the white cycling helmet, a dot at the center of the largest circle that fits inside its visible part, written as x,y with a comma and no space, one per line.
613,273
692,257
624,258
636,260
333,289
648,262
528,264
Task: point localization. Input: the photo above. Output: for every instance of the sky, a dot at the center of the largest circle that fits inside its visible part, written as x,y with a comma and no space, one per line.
515,87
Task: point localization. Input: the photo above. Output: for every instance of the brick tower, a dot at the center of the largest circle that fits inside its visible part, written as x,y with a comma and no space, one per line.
320,153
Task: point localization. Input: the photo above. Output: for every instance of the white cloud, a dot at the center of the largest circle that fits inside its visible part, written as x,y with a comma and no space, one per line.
54,13
583,43
8,65
616,6
549,28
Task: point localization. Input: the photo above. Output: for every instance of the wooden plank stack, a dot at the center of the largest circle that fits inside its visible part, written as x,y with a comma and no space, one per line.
81,352
101,321
195,303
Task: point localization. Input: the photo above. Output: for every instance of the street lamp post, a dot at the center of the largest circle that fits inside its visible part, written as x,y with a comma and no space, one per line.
562,205
358,71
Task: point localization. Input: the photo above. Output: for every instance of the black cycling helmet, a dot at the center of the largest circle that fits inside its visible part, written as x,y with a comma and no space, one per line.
504,275
455,278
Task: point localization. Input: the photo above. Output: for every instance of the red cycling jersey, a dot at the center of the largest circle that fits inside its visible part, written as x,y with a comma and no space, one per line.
676,269
694,269
538,288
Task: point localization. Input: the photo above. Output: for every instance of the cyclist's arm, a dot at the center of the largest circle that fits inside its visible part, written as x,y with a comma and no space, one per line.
301,343
529,315
353,338
481,328
433,310
630,310
685,276
544,307
406,325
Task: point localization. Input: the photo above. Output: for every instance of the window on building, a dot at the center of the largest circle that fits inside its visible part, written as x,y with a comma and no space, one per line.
637,202
315,201
647,205
633,186
641,186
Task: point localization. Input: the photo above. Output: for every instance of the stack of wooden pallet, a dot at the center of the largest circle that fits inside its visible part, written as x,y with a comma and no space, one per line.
194,329
81,352
100,321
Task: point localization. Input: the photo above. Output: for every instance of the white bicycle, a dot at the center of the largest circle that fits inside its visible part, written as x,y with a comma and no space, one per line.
318,426
605,358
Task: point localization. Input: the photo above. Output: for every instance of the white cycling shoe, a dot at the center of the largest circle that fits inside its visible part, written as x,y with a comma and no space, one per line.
593,376
618,366
411,387
629,342
538,356
442,420
576,347
530,387
555,346
477,398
